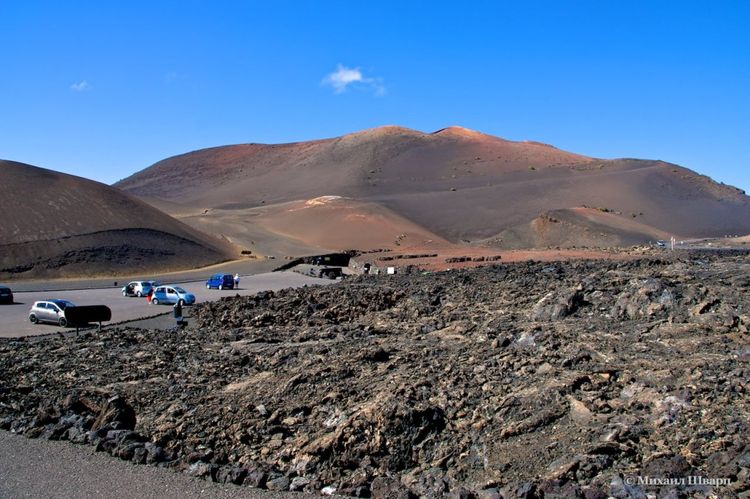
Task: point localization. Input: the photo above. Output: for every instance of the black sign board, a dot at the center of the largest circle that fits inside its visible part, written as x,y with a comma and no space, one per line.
85,314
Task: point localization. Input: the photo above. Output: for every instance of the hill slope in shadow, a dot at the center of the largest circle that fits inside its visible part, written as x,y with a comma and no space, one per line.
58,225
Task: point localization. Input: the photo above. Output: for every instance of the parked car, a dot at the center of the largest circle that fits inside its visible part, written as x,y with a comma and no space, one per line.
220,281
139,288
52,311
169,295
661,243
6,295
326,272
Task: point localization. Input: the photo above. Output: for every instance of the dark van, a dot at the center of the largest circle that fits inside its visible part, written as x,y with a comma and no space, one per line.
6,295
220,281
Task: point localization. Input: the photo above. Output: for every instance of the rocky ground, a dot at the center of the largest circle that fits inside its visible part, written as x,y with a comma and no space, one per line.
576,379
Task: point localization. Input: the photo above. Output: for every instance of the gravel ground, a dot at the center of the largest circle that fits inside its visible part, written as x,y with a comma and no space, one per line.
533,380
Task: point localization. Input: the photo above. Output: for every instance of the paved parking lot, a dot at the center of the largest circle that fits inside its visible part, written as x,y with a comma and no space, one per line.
14,320
52,469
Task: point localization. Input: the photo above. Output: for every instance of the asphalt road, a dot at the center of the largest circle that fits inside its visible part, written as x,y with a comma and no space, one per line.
242,267
48,469
14,319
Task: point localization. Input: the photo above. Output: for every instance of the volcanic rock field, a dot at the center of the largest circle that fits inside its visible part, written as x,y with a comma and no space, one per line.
574,379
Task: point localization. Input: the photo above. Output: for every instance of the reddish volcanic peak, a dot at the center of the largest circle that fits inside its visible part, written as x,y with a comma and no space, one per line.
384,133
464,133
386,130
457,132
456,183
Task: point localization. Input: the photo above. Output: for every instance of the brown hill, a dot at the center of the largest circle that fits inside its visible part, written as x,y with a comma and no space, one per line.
325,223
61,225
457,184
578,227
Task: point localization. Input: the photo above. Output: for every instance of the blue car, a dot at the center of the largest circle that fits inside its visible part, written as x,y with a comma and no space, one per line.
220,281
169,295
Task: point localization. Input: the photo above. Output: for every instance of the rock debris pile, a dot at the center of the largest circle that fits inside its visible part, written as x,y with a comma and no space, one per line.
582,379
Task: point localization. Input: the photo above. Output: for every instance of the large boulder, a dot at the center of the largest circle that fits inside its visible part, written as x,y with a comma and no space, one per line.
116,414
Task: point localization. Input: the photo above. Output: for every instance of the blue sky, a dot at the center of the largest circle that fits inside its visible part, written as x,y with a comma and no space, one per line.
104,89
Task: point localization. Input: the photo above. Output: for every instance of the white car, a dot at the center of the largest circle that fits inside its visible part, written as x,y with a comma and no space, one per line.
139,288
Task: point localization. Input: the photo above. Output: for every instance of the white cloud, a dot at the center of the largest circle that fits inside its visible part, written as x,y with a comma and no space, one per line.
344,77
80,86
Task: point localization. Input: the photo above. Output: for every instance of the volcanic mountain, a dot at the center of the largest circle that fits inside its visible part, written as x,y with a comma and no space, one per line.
61,225
455,185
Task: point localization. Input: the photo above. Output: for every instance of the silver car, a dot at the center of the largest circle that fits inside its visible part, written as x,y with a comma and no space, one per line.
139,288
52,311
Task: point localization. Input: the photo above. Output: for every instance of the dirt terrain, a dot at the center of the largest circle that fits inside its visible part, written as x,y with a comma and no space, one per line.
58,225
536,379
318,225
455,184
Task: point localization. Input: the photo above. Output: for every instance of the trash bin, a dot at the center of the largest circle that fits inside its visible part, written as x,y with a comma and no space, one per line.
178,313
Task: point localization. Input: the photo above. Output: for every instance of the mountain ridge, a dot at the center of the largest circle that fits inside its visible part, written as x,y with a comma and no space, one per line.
458,184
